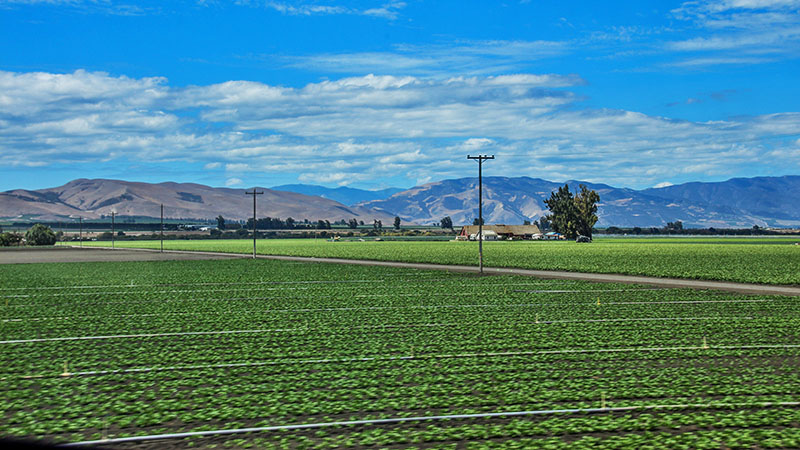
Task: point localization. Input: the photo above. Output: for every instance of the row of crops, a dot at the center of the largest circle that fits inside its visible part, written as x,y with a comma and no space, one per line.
103,351
752,260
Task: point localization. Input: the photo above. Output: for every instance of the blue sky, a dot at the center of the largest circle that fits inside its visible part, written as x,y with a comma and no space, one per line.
373,94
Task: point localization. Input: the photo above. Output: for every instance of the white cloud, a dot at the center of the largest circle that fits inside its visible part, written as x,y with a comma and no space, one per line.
233,182
663,184
740,30
388,10
463,57
372,128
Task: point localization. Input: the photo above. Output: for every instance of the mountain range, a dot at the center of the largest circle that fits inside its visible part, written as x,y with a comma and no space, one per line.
92,199
343,194
738,202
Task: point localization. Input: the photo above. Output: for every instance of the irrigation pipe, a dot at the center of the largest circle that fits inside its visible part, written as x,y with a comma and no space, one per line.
306,426
411,357
381,327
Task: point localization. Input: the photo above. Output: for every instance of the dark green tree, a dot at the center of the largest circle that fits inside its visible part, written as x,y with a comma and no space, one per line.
220,222
353,223
572,215
586,205
10,238
447,222
477,221
563,213
40,235
396,222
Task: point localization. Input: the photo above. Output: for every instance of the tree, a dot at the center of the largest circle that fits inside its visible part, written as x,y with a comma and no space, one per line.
290,223
220,222
353,223
396,222
526,222
676,226
40,235
563,213
586,204
572,215
9,238
543,224
477,221
447,222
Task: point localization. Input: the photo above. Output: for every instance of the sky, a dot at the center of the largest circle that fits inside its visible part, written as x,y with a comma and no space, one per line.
375,94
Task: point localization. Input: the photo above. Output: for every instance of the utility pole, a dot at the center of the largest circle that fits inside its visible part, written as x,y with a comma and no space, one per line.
112,228
254,194
480,159
162,228
80,233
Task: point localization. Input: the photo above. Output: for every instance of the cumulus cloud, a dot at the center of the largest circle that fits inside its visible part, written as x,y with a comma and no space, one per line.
372,128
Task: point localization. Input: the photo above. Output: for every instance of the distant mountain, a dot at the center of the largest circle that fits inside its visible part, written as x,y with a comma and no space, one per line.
775,199
93,198
733,203
346,195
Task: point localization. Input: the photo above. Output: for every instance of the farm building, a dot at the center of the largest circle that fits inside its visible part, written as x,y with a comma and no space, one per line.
503,231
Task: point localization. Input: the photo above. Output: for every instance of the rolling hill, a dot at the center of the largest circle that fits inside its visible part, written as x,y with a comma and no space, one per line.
97,197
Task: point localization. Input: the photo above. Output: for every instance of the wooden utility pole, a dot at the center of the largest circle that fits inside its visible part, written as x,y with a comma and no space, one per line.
254,194
162,228
112,228
480,159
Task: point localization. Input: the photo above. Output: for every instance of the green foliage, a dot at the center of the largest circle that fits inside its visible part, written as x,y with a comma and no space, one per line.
220,222
446,222
10,238
749,260
573,215
396,222
40,235
563,212
310,343
586,208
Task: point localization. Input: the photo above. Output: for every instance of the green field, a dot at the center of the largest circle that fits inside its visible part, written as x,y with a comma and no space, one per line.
105,350
750,260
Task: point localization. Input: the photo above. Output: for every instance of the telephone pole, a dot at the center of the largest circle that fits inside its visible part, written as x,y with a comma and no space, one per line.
80,233
480,159
112,228
254,194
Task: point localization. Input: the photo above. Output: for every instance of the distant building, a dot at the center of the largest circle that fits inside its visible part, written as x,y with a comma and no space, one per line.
512,232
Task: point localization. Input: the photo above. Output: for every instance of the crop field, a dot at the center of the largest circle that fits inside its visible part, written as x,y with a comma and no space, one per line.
772,260
300,355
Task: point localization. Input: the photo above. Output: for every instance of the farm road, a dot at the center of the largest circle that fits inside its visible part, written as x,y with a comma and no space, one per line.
69,254
743,288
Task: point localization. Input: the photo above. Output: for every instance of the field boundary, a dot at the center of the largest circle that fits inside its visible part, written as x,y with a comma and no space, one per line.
675,283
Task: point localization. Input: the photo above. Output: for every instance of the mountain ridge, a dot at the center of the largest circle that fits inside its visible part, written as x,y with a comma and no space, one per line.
93,198
735,203
739,202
